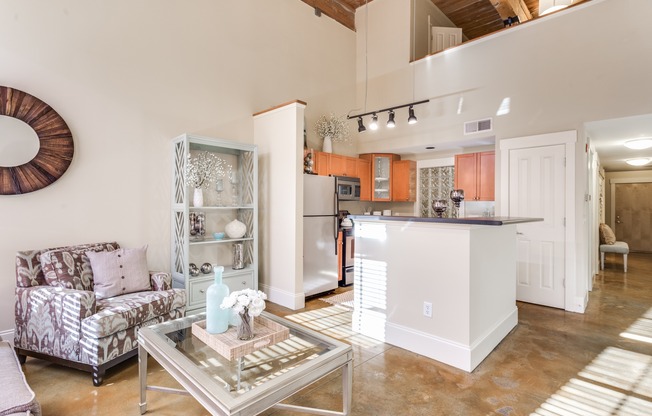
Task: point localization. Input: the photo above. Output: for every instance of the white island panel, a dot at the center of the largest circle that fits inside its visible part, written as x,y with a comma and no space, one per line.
467,273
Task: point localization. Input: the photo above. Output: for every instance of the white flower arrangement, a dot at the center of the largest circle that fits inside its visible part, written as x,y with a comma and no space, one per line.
204,168
335,127
248,301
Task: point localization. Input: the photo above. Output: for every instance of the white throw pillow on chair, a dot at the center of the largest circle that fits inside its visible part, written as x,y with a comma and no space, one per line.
120,271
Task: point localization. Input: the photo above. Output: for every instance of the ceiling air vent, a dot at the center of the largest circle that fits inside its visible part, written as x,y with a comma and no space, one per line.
477,126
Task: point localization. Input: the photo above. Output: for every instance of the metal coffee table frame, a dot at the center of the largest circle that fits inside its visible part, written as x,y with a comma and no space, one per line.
214,397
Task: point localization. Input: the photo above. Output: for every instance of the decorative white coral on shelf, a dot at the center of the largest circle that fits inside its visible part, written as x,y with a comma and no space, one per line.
204,168
334,127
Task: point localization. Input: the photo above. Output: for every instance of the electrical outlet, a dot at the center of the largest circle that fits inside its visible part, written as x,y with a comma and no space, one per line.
427,309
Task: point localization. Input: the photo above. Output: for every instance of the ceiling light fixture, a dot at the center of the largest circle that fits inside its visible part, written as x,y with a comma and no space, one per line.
361,126
391,110
412,119
641,161
374,122
391,123
639,144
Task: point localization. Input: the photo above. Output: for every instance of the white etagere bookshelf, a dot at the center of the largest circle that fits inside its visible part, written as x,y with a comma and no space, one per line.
237,200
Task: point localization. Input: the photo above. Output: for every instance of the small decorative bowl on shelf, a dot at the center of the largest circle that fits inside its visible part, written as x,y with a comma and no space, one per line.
218,236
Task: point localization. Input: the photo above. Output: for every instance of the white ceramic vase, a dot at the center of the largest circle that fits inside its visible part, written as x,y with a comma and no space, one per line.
235,229
328,145
198,198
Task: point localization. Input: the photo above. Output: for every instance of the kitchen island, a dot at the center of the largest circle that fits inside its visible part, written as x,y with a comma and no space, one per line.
444,288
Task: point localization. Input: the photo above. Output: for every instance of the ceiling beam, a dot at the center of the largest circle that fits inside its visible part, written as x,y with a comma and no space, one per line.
507,8
337,10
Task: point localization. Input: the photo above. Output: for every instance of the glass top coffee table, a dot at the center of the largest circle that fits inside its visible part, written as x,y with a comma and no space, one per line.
248,385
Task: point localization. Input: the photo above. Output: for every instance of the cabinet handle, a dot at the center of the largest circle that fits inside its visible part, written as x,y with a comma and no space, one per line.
244,283
201,291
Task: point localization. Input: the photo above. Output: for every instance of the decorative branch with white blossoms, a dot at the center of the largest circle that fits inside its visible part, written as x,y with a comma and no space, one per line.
204,168
247,301
335,127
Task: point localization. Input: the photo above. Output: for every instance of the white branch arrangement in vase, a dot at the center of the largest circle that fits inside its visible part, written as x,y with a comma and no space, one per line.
332,129
204,169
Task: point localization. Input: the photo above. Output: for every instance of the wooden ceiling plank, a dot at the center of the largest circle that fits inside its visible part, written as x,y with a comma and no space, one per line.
338,10
508,8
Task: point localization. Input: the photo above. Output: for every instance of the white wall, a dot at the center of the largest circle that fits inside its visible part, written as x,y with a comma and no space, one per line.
128,77
281,201
559,72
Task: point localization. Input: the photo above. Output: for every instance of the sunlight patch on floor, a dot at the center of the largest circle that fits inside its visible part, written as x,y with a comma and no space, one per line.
616,382
334,321
641,329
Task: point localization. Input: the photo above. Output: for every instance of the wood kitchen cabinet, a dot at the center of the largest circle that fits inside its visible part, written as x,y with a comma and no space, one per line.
404,181
475,174
336,165
381,174
342,165
321,163
363,171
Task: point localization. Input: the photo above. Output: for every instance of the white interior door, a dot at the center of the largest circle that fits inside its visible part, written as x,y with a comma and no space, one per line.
537,189
444,38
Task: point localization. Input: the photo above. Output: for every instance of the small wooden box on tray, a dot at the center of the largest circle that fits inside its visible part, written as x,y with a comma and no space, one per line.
227,344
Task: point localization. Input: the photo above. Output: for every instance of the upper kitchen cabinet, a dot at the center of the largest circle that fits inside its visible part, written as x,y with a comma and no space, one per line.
363,171
475,174
342,165
335,165
404,181
321,161
381,174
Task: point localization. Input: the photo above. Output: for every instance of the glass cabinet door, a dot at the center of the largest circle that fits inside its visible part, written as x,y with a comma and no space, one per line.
382,178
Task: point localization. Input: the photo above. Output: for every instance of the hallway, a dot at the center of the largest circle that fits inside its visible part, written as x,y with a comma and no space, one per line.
553,363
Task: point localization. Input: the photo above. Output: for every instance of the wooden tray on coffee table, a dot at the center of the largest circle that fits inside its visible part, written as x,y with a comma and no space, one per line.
227,344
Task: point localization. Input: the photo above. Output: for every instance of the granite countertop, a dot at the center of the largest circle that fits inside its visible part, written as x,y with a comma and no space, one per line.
463,220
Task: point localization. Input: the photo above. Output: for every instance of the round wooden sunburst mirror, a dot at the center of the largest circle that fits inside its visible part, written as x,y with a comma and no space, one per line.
55,147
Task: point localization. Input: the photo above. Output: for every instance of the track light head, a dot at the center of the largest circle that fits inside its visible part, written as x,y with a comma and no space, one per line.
390,123
374,122
411,118
361,126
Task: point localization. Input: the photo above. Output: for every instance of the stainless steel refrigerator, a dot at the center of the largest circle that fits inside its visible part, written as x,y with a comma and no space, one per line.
320,229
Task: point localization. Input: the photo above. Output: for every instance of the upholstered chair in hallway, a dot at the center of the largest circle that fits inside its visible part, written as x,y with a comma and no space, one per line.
81,306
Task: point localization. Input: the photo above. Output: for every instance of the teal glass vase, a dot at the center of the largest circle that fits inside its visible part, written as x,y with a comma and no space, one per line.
217,319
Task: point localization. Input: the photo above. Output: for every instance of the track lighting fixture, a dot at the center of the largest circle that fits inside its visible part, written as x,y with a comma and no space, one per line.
374,122
390,123
361,126
373,125
411,118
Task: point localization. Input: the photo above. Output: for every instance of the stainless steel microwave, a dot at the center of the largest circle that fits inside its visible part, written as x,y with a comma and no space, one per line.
347,188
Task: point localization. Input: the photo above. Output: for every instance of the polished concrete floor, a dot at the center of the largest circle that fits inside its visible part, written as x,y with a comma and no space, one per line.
553,363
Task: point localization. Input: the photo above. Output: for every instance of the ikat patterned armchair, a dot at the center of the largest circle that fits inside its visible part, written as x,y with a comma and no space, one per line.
65,314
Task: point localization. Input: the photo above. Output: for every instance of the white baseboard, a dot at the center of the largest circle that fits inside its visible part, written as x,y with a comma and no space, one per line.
485,344
290,300
8,336
464,357
579,304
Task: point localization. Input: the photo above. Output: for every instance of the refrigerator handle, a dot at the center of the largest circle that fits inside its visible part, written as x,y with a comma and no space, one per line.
335,230
335,227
